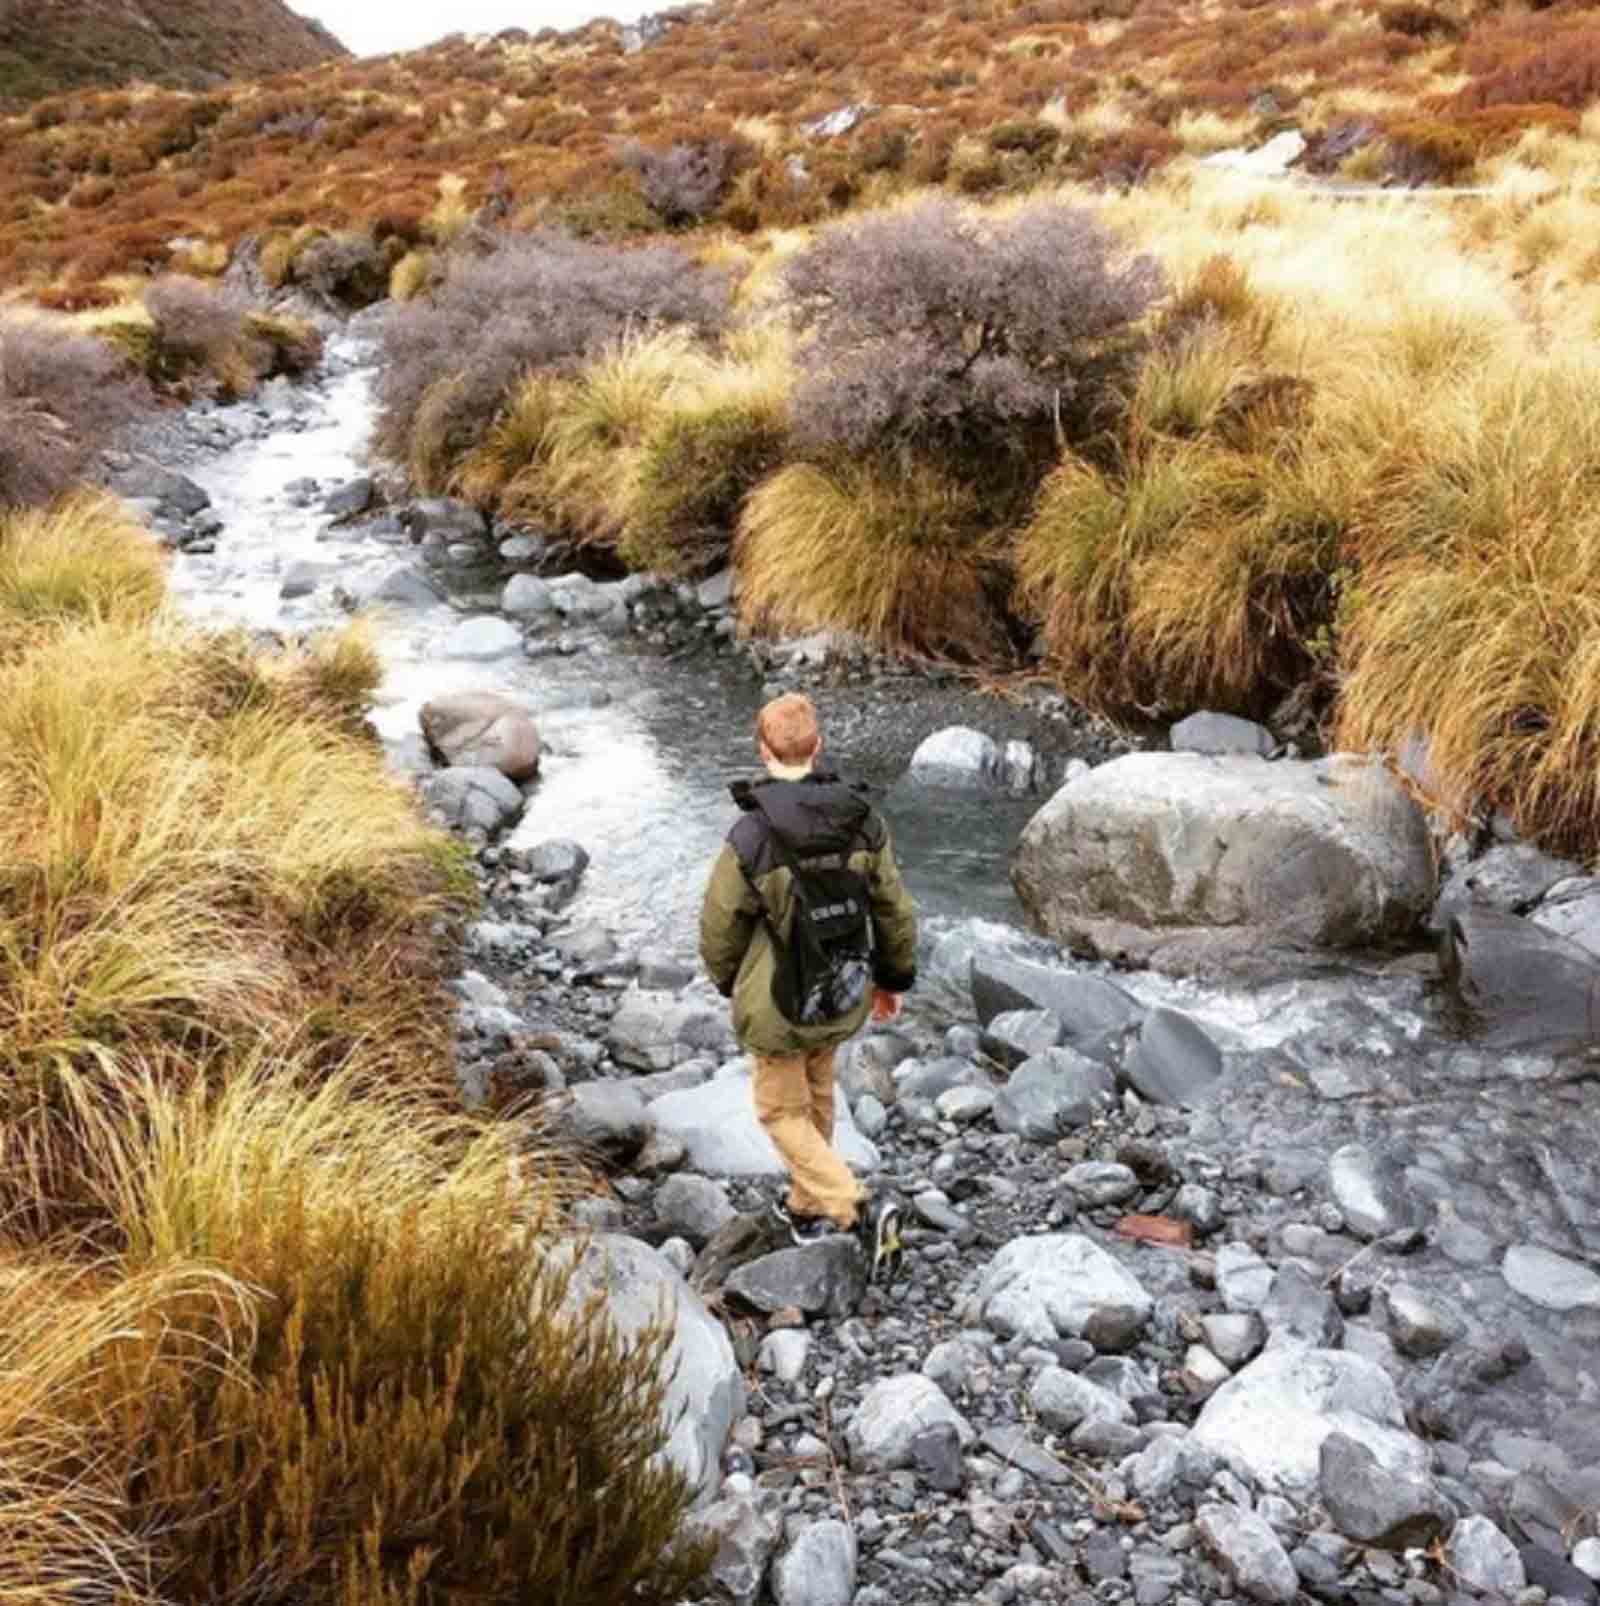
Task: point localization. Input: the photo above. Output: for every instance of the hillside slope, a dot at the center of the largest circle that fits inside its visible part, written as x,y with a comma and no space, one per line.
51,46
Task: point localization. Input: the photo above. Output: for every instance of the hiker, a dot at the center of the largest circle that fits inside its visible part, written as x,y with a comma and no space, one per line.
807,927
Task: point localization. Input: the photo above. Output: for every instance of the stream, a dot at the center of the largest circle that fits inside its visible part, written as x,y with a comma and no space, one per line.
639,751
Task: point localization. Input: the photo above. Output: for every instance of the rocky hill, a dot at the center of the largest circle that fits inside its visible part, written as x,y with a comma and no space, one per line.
51,46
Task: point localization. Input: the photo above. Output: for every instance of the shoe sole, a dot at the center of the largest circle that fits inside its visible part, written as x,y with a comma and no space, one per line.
888,1248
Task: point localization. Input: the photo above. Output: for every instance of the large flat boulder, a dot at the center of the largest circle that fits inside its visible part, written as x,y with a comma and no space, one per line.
1091,1009
706,1394
482,728
1521,985
1189,861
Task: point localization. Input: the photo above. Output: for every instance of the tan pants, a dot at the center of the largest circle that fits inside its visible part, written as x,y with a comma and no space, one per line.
794,1104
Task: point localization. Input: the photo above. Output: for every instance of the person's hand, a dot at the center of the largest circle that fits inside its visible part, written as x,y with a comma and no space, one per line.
885,1005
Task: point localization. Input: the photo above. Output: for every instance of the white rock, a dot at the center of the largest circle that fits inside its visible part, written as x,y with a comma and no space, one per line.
1249,1551
892,1413
819,1568
479,639
1061,1285
957,756
1549,1279
1483,1558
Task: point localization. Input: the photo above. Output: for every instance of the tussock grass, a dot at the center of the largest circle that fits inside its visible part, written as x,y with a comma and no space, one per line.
899,552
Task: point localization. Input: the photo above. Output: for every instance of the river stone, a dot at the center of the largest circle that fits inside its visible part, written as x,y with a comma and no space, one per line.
1509,876
1234,1337
1089,1007
1101,1182
472,798
890,1417
693,1208
867,1064
1173,1060
1021,769
1523,985
705,1395
1392,1510
958,756
1051,1093
927,1079
1551,1280
746,1534
1019,1034
819,1568
1270,1420
654,1031
526,596
1419,1327
479,639
445,520
482,728
1371,1192
1297,1306
300,580
717,1123
405,586
717,591
610,1118
962,1105
1061,1285
1482,1558
784,1354
1244,1279
826,1278
1061,1400
1220,733
350,499
1249,1552
173,493
1187,860
1571,909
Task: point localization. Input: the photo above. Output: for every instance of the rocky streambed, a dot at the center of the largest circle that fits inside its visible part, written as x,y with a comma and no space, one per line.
1272,1284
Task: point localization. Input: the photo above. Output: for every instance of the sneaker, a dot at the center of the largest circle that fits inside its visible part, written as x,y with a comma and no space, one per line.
877,1230
801,1226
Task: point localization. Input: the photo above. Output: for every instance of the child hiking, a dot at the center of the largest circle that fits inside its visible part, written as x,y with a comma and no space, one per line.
807,927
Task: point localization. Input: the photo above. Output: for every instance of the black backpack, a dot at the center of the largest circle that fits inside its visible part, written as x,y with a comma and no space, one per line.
823,968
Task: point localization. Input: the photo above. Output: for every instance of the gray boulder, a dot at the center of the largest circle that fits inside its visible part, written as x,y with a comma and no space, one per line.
654,1031
1522,985
826,1278
1571,909
716,1123
472,798
959,757
482,729
405,586
175,495
300,579
1297,1306
350,500
1061,1285
1269,1421
1101,1182
1220,733
706,1394
819,1568
1244,1279
526,596
1249,1552
746,1531
1051,1093
1189,861
1371,1192
1019,1034
1549,1280
480,639
693,1208
1089,1007
1392,1510
609,1118
1173,1060
1509,876
1061,1400
892,1414
556,861
1482,1558
444,520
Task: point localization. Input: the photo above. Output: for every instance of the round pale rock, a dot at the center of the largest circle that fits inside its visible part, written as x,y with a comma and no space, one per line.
1061,1285
482,638
1549,1279
1184,860
892,1414
482,729
958,756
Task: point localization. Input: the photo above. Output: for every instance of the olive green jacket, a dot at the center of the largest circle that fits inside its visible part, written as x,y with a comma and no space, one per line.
818,815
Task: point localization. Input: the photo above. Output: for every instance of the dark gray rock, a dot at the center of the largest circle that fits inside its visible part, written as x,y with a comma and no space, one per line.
556,861
693,1208
936,1458
1052,1093
175,495
350,500
1172,1060
480,800
1089,1007
1521,985
444,520
1249,1552
1368,1502
1220,733
1556,1576
1013,1446
826,1278
1019,1034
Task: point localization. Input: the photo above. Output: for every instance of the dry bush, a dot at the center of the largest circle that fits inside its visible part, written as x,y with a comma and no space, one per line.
540,301
685,183
348,269
63,397
938,330
200,329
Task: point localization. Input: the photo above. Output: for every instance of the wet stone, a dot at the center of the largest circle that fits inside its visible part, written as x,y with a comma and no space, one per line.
1370,1192
1482,1558
1550,1280
1418,1326
1249,1552
1173,1060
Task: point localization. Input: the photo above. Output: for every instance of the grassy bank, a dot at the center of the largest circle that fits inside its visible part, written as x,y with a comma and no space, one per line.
1281,453
274,1323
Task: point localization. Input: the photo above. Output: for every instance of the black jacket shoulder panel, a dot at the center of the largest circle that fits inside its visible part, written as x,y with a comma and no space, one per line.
820,814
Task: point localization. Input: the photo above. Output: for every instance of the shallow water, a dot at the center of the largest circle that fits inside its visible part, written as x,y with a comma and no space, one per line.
639,754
